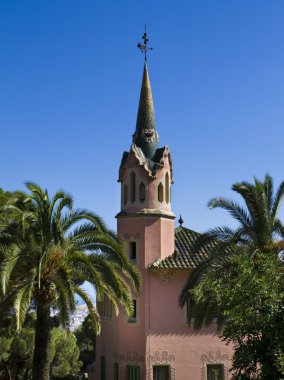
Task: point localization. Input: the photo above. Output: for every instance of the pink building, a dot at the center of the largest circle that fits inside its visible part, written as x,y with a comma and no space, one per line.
156,343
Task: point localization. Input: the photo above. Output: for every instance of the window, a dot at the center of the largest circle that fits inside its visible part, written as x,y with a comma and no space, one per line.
167,188
105,308
133,318
132,372
103,368
160,192
161,372
142,192
115,371
125,194
132,187
215,372
132,250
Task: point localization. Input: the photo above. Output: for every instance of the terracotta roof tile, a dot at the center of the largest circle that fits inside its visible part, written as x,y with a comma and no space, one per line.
182,258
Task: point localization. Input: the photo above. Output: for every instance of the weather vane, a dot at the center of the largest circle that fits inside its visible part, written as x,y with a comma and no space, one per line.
144,48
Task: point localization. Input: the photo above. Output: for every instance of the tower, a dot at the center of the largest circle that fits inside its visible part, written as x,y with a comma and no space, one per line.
145,175
155,343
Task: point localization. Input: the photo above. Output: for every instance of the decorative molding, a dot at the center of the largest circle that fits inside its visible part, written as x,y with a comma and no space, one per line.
217,357
160,358
131,358
134,236
166,275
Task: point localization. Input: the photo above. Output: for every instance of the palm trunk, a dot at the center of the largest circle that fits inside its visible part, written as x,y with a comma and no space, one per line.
41,359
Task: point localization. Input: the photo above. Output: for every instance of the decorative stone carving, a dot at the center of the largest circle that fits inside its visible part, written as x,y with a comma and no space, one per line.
128,237
160,358
217,357
131,358
166,275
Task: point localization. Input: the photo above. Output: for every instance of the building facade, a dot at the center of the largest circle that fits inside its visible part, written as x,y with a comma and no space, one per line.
156,342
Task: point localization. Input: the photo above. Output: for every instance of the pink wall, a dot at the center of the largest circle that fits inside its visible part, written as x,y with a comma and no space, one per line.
161,335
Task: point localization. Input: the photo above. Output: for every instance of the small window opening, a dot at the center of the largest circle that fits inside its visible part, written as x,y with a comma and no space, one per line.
142,192
160,192
103,368
161,372
215,372
133,318
132,187
132,372
125,194
132,250
115,371
167,188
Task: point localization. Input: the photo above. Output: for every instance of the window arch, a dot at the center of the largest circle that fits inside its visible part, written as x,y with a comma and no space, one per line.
132,187
142,192
125,193
160,192
167,188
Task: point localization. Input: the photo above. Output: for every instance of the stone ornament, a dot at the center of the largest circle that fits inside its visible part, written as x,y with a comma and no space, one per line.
217,357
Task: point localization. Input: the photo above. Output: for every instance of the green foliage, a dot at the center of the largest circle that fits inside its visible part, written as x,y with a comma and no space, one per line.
241,282
48,249
64,354
86,340
16,351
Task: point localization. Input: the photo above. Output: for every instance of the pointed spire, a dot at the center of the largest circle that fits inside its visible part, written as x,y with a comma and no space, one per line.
146,136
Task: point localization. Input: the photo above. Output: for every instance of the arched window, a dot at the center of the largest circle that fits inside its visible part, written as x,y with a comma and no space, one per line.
167,188
142,192
160,192
125,194
132,187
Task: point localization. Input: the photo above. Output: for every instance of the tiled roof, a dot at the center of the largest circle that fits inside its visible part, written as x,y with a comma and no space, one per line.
182,258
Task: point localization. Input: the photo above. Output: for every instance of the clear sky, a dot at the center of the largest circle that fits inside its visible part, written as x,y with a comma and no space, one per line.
70,76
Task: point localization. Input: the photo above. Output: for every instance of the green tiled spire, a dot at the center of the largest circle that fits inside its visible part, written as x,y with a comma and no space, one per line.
146,136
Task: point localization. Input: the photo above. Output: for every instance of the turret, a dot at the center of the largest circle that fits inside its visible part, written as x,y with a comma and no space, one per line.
146,171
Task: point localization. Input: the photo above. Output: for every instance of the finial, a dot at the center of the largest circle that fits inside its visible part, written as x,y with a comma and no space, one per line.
144,48
180,221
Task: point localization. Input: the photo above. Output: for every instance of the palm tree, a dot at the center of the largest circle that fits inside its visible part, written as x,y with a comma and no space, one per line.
59,248
259,231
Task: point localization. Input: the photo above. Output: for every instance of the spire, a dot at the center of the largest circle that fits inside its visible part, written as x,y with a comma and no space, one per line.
146,136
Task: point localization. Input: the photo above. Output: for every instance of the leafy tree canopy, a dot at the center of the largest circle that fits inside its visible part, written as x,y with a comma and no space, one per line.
86,340
241,281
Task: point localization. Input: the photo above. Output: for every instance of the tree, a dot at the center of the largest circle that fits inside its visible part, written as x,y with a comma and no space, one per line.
241,280
86,340
16,350
64,354
57,249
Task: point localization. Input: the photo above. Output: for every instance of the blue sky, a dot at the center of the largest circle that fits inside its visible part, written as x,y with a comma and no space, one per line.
70,77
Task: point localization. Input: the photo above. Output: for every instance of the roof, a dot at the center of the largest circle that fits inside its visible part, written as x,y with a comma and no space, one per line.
182,258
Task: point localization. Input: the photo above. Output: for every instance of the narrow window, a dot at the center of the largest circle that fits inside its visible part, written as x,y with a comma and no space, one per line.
142,192
132,372
132,187
215,372
160,192
167,188
132,250
125,194
133,318
161,372
103,368
115,371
